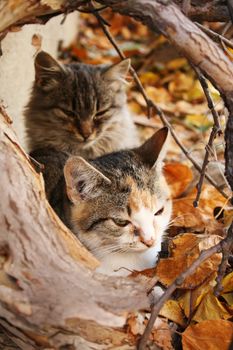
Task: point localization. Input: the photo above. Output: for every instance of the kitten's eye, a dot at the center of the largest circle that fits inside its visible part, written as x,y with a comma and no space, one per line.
120,222
159,212
68,112
100,113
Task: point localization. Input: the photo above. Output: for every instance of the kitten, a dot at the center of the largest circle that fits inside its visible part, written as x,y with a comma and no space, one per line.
121,205
79,109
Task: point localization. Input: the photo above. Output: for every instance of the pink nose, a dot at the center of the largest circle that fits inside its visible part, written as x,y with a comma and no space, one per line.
138,232
147,242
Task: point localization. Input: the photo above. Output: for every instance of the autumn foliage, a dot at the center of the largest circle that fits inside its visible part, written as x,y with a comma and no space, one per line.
203,320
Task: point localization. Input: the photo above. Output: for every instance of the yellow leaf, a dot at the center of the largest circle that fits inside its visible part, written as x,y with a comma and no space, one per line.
196,92
227,283
181,83
149,78
158,94
176,63
210,308
192,298
209,335
199,120
229,298
172,310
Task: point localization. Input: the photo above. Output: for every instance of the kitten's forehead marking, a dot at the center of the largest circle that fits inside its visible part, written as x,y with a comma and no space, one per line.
139,197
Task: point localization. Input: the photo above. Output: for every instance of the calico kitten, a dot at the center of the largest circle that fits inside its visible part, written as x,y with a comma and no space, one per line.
121,205
79,109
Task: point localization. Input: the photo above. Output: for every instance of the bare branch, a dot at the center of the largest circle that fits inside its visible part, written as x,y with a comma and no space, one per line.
216,130
205,254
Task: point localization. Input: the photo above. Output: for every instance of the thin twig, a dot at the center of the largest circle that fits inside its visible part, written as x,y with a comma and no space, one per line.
205,254
215,36
216,130
152,106
123,57
227,246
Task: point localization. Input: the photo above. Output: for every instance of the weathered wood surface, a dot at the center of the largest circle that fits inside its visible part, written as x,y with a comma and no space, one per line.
23,11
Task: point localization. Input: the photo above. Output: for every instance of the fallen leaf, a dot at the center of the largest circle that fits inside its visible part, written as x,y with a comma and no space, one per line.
185,249
149,78
172,310
229,298
210,308
180,84
211,335
136,324
202,217
200,121
161,334
178,177
190,300
176,63
227,283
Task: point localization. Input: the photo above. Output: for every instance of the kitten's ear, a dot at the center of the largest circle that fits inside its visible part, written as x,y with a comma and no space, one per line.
48,71
83,181
153,150
117,72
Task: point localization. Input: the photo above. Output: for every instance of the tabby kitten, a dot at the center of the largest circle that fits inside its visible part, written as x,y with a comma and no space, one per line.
121,205
79,109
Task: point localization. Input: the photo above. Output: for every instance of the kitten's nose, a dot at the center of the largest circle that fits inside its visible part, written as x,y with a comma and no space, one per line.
143,238
86,130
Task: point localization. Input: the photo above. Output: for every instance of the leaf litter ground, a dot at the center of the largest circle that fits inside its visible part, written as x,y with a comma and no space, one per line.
194,315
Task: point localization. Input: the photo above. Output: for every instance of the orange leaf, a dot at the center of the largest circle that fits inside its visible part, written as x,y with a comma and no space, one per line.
178,177
211,335
185,250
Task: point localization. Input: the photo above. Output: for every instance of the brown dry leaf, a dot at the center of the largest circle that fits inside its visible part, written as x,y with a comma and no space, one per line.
162,334
197,219
178,177
210,308
185,250
172,310
136,324
211,335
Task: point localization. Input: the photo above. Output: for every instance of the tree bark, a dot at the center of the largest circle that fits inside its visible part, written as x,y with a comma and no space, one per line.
20,12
